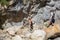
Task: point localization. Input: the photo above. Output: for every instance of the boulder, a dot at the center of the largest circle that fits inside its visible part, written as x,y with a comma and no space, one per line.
5,36
38,35
13,30
37,19
38,26
16,37
7,24
24,31
46,13
52,3
57,5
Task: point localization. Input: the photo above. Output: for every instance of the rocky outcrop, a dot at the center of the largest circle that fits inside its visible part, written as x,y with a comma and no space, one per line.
40,11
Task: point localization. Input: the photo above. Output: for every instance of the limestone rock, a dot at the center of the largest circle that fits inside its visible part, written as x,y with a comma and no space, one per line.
5,36
28,34
38,35
57,4
57,38
37,19
52,3
17,37
13,30
57,15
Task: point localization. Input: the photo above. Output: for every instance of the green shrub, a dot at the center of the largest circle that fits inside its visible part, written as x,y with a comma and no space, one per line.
4,2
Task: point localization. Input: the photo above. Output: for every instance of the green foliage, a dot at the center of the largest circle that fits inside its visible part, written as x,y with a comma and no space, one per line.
4,2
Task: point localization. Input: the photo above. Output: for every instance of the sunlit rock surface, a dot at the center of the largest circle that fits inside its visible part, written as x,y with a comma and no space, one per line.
52,30
17,37
57,5
41,12
38,35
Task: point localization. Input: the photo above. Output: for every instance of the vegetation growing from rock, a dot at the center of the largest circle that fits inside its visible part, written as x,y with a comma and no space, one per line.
4,2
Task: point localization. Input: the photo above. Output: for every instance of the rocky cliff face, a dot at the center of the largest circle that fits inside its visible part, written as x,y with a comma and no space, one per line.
40,11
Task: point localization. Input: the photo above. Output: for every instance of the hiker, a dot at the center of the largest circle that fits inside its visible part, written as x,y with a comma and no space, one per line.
52,20
30,24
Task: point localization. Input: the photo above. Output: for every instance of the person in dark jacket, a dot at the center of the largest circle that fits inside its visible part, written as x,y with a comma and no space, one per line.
52,20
